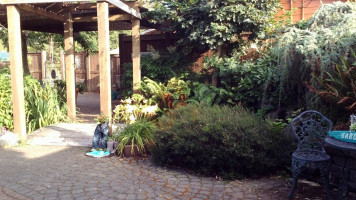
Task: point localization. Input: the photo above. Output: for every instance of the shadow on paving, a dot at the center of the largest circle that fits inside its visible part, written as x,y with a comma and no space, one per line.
59,172
88,107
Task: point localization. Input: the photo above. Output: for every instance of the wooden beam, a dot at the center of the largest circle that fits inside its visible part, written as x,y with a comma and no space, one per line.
125,8
119,17
104,59
52,4
69,58
16,70
136,68
41,12
89,6
132,4
38,1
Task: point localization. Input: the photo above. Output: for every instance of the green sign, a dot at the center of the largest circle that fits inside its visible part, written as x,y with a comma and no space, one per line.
346,136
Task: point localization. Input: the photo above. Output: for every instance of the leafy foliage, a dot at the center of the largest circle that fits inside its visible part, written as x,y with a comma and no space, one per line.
327,36
209,94
101,118
339,86
242,82
213,140
139,133
159,66
43,105
165,96
209,24
6,113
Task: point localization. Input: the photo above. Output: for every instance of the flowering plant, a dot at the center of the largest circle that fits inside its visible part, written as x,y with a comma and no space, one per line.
132,109
101,118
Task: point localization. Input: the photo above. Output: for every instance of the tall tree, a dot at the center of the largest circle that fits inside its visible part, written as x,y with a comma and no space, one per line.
219,25
213,24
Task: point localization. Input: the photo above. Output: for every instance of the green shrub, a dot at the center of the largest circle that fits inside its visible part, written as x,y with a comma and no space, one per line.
159,66
43,104
244,82
6,113
226,141
139,133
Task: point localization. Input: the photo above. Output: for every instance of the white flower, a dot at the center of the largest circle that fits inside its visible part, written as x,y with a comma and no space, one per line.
150,109
132,118
130,108
128,101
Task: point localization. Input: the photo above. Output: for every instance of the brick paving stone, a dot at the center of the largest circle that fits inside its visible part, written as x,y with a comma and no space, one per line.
44,172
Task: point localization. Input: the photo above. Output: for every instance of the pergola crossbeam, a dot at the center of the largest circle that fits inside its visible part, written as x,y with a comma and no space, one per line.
120,17
38,1
42,12
123,6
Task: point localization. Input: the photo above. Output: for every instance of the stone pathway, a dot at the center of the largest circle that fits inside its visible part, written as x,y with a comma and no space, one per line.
63,134
60,172
53,166
88,105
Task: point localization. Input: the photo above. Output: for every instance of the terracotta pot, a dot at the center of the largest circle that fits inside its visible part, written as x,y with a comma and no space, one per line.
127,151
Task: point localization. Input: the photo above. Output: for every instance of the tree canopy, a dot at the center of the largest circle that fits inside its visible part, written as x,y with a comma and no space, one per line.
213,23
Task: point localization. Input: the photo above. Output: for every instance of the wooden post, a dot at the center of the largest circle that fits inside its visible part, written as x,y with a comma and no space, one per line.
88,73
24,54
43,64
63,66
136,50
69,58
104,59
16,70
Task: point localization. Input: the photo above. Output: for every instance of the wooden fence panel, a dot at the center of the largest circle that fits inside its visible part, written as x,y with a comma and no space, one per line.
34,64
82,63
304,9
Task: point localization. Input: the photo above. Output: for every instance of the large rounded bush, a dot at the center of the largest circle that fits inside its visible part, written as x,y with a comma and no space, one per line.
226,141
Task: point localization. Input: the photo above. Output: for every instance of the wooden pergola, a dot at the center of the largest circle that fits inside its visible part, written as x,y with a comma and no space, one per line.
67,17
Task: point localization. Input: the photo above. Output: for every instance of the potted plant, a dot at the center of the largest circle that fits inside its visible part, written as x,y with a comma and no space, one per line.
135,138
353,123
353,127
102,118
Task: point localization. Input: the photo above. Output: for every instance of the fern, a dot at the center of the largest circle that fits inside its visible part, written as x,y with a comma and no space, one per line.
339,87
